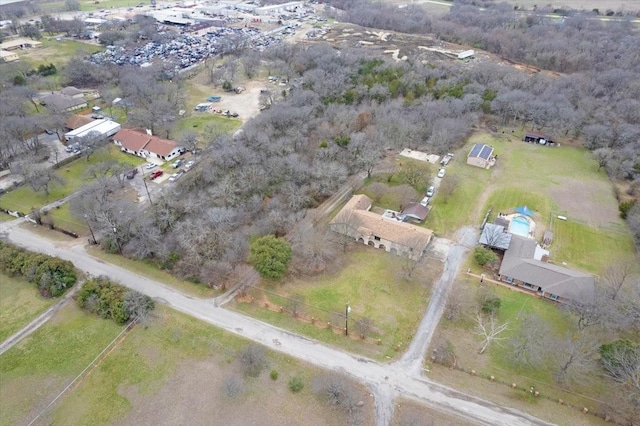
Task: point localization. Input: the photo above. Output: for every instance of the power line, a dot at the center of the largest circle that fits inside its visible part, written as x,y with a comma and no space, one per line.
79,376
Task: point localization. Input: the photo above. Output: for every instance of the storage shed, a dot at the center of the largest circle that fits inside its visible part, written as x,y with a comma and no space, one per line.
481,155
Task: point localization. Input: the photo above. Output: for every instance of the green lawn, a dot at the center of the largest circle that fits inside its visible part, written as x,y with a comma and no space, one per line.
45,362
535,176
152,272
497,359
36,369
200,122
90,5
24,198
58,52
371,283
19,304
153,365
587,248
459,209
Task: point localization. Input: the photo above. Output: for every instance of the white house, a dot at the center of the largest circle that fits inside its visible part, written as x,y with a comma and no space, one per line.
145,145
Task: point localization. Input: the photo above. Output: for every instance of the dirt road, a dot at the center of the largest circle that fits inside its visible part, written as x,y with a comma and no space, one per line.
412,360
386,381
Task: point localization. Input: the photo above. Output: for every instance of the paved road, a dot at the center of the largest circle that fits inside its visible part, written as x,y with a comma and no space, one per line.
385,381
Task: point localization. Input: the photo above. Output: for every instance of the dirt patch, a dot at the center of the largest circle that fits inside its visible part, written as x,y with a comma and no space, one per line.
592,202
408,412
196,394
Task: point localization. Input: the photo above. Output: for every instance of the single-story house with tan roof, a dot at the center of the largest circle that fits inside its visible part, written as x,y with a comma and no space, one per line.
144,145
76,120
523,265
62,102
19,43
6,56
394,236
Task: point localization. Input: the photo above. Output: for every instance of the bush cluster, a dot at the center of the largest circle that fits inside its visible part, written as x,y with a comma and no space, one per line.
113,301
51,275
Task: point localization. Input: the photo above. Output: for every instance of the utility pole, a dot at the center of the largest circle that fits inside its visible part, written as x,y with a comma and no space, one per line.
145,187
347,309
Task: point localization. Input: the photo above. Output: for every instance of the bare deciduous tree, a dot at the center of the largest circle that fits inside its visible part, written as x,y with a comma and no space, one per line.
618,275
528,344
573,357
253,359
489,330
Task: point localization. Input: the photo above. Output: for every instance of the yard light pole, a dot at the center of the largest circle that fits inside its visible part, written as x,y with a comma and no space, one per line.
347,309
144,181
93,237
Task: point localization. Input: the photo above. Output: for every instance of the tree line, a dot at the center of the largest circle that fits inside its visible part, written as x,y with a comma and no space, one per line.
51,276
590,94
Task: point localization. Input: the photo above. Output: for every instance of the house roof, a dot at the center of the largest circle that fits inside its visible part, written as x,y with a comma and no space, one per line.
17,42
416,210
71,91
481,151
358,202
160,146
76,121
61,101
133,140
355,215
536,135
519,262
495,236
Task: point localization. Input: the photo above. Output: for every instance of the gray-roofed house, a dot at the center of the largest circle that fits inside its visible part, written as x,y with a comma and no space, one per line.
416,211
481,155
523,266
495,237
72,92
401,238
62,102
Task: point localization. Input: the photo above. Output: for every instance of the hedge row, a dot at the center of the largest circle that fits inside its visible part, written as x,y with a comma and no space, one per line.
113,301
51,275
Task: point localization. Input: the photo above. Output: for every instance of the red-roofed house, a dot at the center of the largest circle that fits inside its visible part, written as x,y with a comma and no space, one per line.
144,145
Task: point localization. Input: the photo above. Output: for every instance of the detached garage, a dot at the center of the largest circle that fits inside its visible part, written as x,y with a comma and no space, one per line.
481,155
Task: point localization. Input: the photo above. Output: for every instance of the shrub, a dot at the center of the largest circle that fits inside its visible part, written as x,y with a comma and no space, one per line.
624,208
253,360
270,256
233,386
273,375
484,256
112,301
51,275
296,384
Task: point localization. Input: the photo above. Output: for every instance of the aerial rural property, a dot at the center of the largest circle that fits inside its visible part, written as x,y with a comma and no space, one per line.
319,212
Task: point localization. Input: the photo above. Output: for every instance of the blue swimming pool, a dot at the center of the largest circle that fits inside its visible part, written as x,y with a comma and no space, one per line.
520,226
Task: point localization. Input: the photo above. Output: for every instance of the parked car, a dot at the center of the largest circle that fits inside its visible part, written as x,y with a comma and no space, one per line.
430,191
441,173
48,131
132,173
150,166
174,177
425,201
156,174
177,163
445,160
189,164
